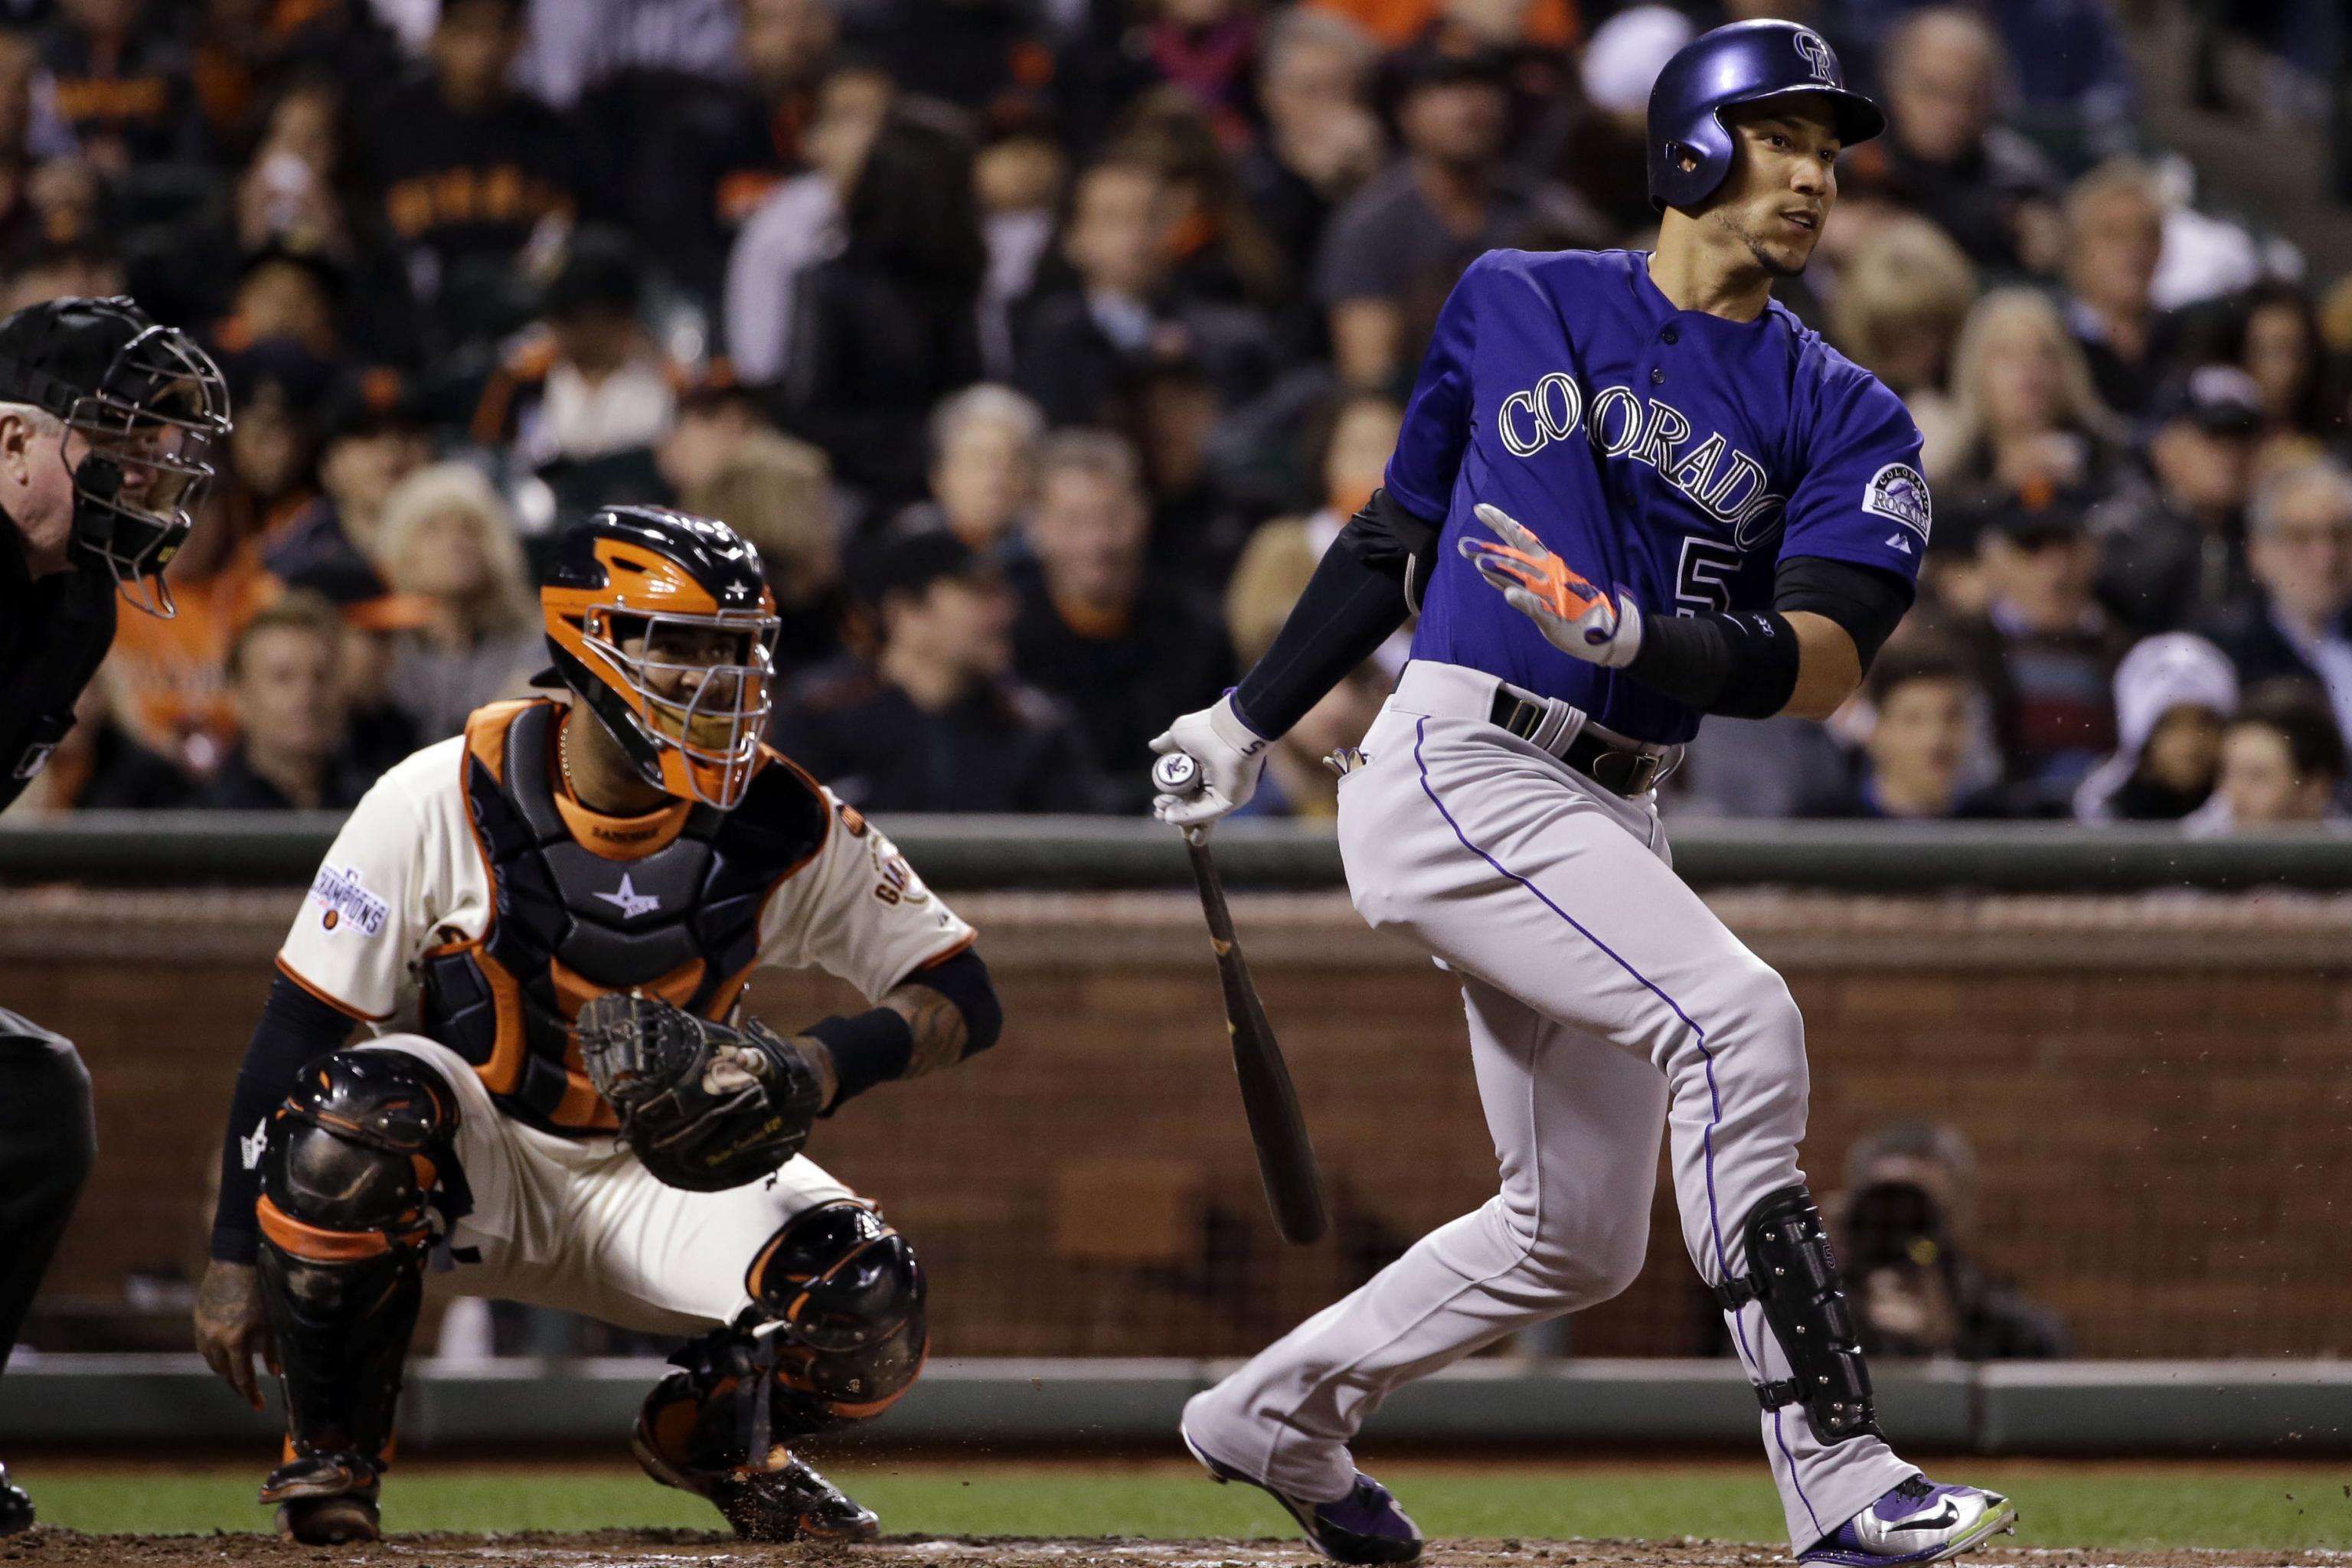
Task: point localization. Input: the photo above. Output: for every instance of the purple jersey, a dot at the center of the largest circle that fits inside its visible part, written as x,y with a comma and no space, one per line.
1671,455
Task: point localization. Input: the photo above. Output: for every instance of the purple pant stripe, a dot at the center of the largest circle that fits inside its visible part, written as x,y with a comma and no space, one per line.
1715,1099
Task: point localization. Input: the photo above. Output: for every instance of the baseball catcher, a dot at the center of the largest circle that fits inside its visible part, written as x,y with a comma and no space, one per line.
547,923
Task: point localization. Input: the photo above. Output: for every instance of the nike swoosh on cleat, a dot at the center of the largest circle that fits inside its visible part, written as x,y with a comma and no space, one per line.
1945,1517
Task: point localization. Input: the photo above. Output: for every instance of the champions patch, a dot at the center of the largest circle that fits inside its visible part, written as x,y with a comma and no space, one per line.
347,904
1898,491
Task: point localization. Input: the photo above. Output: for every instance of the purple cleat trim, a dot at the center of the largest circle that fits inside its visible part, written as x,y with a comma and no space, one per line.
1917,1521
1364,1527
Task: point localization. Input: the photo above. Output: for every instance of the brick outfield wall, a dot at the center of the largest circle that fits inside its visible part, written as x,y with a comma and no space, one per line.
2158,1091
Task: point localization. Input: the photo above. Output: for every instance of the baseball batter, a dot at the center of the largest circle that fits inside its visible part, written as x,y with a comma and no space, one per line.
1631,490
547,923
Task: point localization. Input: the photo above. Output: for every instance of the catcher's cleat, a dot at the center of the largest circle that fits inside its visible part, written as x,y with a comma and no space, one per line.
787,1500
325,1500
16,1506
1917,1521
1366,1526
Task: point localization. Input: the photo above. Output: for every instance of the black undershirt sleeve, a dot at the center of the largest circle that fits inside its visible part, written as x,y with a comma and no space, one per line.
296,1029
1353,602
1743,664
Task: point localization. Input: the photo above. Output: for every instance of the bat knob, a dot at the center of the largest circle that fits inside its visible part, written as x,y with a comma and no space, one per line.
1177,774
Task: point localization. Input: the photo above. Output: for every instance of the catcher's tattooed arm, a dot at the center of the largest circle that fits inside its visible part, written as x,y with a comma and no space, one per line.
942,1013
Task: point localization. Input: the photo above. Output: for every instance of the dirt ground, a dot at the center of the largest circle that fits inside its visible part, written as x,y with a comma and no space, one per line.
52,1548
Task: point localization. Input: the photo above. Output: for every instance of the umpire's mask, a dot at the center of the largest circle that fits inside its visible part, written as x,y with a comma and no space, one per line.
143,406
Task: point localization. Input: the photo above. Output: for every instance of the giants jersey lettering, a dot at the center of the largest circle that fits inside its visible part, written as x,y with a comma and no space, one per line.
469,901
1675,456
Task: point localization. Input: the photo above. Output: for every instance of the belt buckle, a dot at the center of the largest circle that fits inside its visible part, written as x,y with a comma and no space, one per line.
1637,771
1526,715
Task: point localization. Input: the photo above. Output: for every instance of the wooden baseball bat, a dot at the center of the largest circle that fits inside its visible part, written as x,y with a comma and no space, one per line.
1285,1158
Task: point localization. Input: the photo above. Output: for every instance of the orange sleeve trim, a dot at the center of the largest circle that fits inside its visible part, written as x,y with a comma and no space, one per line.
948,952
329,997
315,1245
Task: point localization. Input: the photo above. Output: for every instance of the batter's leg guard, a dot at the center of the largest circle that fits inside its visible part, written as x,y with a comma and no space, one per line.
1794,1274
356,1158
836,1334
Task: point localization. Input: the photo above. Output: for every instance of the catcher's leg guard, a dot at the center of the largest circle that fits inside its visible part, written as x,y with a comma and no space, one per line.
356,1158
1794,1274
836,1335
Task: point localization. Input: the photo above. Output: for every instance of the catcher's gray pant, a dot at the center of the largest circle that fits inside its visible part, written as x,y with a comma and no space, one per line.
1605,1001
577,1223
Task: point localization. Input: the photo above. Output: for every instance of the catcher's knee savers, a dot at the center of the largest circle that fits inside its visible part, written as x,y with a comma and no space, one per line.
1794,1274
356,1158
835,1334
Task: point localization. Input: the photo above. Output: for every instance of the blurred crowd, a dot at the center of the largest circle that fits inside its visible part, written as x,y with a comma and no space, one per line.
1042,346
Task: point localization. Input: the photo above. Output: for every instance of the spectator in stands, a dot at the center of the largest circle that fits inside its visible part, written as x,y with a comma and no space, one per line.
1604,154
1075,338
2297,620
888,327
1902,297
2278,341
798,223
2028,421
591,386
1907,1232
2173,694
1946,157
1281,554
1928,715
2054,651
1320,141
937,722
2115,237
1020,176
1391,253
1203,50
468,171
716,416
371,439
290,750
276,387
2283,761
1301,778
2172,554
1118,645
121,83
688,157
576,44
774,491
1217,254
290,195
448,540
983,467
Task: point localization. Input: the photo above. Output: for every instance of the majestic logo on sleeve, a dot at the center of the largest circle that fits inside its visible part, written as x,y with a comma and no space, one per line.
1818,57
1898,491
1728,484
629,902
347,904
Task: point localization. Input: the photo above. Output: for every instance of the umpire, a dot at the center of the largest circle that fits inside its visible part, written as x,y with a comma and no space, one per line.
106,424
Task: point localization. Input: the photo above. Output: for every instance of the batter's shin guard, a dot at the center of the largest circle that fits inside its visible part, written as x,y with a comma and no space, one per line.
353,1162
1793,1273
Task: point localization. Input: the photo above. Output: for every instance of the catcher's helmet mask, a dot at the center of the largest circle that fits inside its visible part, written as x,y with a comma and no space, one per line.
1743,63
153,407
662,623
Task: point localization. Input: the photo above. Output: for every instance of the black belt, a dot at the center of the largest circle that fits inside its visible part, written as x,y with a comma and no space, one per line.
1620,770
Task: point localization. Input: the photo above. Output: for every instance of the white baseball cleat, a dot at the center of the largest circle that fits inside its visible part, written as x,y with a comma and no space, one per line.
1917,1521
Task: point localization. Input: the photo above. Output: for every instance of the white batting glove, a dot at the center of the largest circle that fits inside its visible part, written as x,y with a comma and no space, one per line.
1573,615
1231,755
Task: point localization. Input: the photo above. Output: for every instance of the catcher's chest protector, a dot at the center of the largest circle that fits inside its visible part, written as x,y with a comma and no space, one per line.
679,917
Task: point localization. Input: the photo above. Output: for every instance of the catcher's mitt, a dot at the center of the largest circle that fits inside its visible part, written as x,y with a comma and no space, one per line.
704,1107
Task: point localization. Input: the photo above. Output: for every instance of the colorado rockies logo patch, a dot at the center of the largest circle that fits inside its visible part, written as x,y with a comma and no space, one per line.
1898,491
1817,58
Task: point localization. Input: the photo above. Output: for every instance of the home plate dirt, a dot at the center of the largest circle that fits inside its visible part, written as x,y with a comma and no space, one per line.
52,1548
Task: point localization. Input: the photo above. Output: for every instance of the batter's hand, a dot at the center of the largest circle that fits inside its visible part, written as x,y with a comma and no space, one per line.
1231,755
1573,615
230,1328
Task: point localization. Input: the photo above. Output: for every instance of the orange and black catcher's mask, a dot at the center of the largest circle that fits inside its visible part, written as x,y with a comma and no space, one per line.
663,624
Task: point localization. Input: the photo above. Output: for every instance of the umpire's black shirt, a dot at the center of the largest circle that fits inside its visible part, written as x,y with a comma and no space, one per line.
54,631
